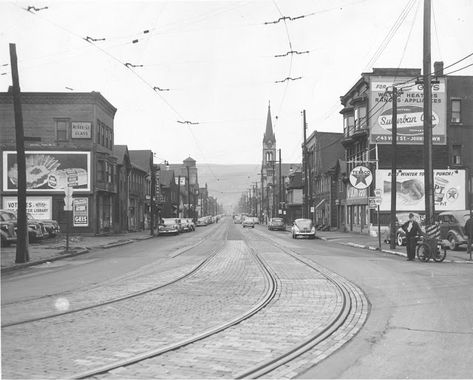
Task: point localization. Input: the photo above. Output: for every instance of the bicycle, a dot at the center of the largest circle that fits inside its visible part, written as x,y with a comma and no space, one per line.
424,250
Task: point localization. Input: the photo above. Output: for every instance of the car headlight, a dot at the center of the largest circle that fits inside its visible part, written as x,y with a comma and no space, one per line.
313,230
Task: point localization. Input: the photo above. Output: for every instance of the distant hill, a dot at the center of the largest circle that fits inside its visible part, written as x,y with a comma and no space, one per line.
228,182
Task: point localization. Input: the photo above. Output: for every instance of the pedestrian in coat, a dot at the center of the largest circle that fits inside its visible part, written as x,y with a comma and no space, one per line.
412,230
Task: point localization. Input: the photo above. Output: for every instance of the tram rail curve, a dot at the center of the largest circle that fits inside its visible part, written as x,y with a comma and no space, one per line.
196,268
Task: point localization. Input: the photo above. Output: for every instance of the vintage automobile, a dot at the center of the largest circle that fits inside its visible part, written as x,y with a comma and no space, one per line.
452,224
276,224
169,226
248,222
201,222
187,225
50,226
303,227
35,229
7,228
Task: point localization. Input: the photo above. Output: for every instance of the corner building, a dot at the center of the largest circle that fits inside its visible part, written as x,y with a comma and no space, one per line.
69,142
367,140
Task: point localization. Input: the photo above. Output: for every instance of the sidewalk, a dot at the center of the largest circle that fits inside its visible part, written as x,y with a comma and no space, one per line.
55,249
368,242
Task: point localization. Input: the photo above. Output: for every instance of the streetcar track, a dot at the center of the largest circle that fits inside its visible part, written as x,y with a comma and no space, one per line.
312,341
128,296
271,292
118,299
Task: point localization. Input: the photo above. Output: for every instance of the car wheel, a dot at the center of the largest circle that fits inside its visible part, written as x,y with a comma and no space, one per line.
399,240
452,242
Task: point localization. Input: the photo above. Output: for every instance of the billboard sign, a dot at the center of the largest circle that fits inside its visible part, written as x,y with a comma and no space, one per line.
48,171
80,212
410,113
38,207
449,189
81,130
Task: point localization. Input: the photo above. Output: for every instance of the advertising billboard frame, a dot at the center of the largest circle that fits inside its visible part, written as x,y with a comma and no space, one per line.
449,189
48,162
410,103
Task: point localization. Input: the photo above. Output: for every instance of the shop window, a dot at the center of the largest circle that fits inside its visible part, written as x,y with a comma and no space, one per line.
456,111
457,154
62,129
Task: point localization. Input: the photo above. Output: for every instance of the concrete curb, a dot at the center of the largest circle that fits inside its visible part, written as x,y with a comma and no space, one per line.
80,251
391,252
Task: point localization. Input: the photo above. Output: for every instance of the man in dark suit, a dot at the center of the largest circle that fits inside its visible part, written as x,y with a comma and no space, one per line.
412,230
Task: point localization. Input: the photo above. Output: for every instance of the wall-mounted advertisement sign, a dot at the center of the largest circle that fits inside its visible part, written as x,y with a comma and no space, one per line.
48,170
38,207
410,116
81,130
80,212
449,190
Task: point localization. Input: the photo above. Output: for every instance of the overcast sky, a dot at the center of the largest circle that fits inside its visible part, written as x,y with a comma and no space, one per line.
217,58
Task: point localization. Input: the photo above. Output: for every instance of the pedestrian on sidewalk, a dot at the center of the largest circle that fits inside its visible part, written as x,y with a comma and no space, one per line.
412,230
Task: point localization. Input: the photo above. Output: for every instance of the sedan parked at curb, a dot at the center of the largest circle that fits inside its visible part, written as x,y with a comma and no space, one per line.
169,226
276,224
248,222
303,227
452,227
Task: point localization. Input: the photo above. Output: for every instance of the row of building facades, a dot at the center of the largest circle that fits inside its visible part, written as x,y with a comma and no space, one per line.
320,187
69,142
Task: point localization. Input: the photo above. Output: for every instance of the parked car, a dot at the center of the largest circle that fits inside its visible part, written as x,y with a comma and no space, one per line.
303,227
50,226
276,224
201,222
237,219
248,222
187,225
35,229
452,227
169,226
7,228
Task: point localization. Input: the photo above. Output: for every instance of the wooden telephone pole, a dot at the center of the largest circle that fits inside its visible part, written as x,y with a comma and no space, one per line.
22,249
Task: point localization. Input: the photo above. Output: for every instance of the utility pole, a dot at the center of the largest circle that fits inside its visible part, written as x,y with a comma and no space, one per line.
188,193
392,240
153,199
280,187
305,210
178,195
428,169
22,249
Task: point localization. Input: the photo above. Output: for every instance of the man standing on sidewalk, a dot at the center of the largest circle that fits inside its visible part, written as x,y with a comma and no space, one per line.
412,230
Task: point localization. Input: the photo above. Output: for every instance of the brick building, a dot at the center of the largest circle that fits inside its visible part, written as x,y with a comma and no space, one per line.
324,149
69,140
367,120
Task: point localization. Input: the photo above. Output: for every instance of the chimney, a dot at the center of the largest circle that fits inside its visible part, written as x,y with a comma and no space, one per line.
438,68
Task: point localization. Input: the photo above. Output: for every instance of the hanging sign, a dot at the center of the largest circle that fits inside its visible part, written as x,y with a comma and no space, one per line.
361,177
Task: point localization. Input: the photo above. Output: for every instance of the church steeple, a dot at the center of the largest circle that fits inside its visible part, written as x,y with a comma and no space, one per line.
269,134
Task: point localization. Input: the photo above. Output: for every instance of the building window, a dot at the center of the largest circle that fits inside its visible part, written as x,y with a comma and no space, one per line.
457,154
360,117
101,171
456,111
62,127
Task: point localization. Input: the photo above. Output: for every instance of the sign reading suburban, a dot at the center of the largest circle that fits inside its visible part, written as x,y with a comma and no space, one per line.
410,112
449,190
48,170
38,207
81,130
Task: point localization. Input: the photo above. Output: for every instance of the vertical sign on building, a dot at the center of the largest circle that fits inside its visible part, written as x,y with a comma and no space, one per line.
80,212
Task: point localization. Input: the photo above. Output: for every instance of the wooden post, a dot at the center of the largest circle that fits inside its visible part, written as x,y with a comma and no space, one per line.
392,242
22,249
